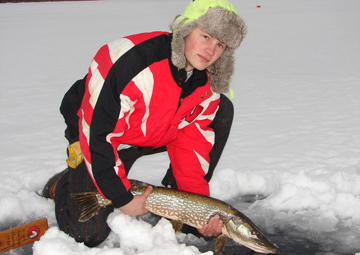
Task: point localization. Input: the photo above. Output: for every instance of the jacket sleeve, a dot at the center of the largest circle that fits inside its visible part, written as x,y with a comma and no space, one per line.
189,152
107,168
99,122
108,101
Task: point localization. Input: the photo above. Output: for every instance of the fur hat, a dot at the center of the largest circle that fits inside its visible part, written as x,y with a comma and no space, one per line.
220,19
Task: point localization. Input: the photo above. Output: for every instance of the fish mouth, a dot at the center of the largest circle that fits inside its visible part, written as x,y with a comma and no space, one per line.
261,246
267,249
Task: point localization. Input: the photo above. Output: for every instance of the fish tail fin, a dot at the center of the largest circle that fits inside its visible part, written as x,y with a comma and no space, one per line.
90,202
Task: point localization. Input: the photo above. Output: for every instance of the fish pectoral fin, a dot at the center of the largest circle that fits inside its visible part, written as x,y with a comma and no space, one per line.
220,243
90,202
177,225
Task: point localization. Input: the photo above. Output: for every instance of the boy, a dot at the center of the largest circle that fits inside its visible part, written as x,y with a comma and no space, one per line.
148,93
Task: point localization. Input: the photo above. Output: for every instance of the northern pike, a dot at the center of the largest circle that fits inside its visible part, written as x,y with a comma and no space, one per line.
189,208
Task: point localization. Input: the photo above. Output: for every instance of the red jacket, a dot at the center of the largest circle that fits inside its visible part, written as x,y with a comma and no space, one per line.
132,97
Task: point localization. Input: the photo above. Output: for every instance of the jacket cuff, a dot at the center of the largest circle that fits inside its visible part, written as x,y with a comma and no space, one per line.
123,200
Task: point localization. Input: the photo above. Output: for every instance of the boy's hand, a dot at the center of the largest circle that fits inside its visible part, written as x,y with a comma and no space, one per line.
137,206
213,227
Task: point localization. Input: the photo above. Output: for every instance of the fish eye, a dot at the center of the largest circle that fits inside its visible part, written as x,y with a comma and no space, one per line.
254,234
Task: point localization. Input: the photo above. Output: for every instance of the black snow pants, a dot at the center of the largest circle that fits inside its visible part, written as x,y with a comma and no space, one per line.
95,230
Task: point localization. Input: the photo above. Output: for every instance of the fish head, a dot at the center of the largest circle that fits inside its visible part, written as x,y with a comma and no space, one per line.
243,231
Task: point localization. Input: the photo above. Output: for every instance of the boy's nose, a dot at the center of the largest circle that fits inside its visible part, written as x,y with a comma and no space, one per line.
210,49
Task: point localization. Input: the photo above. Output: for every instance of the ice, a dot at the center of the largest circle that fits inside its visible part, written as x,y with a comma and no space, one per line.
56,242
292,161
141,238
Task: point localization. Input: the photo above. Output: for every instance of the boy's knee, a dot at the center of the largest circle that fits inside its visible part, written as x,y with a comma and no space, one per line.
93,238
92,232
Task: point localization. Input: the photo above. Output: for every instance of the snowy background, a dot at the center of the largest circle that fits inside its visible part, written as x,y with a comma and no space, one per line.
292,162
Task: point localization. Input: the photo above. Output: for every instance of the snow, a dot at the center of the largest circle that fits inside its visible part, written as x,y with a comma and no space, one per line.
294,149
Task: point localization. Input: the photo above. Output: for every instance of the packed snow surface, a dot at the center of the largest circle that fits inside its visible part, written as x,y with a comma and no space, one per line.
294,148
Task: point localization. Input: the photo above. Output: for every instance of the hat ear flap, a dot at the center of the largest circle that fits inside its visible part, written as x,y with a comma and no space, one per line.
221,71
178,43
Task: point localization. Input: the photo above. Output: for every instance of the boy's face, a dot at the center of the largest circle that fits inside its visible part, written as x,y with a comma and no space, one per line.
201,50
